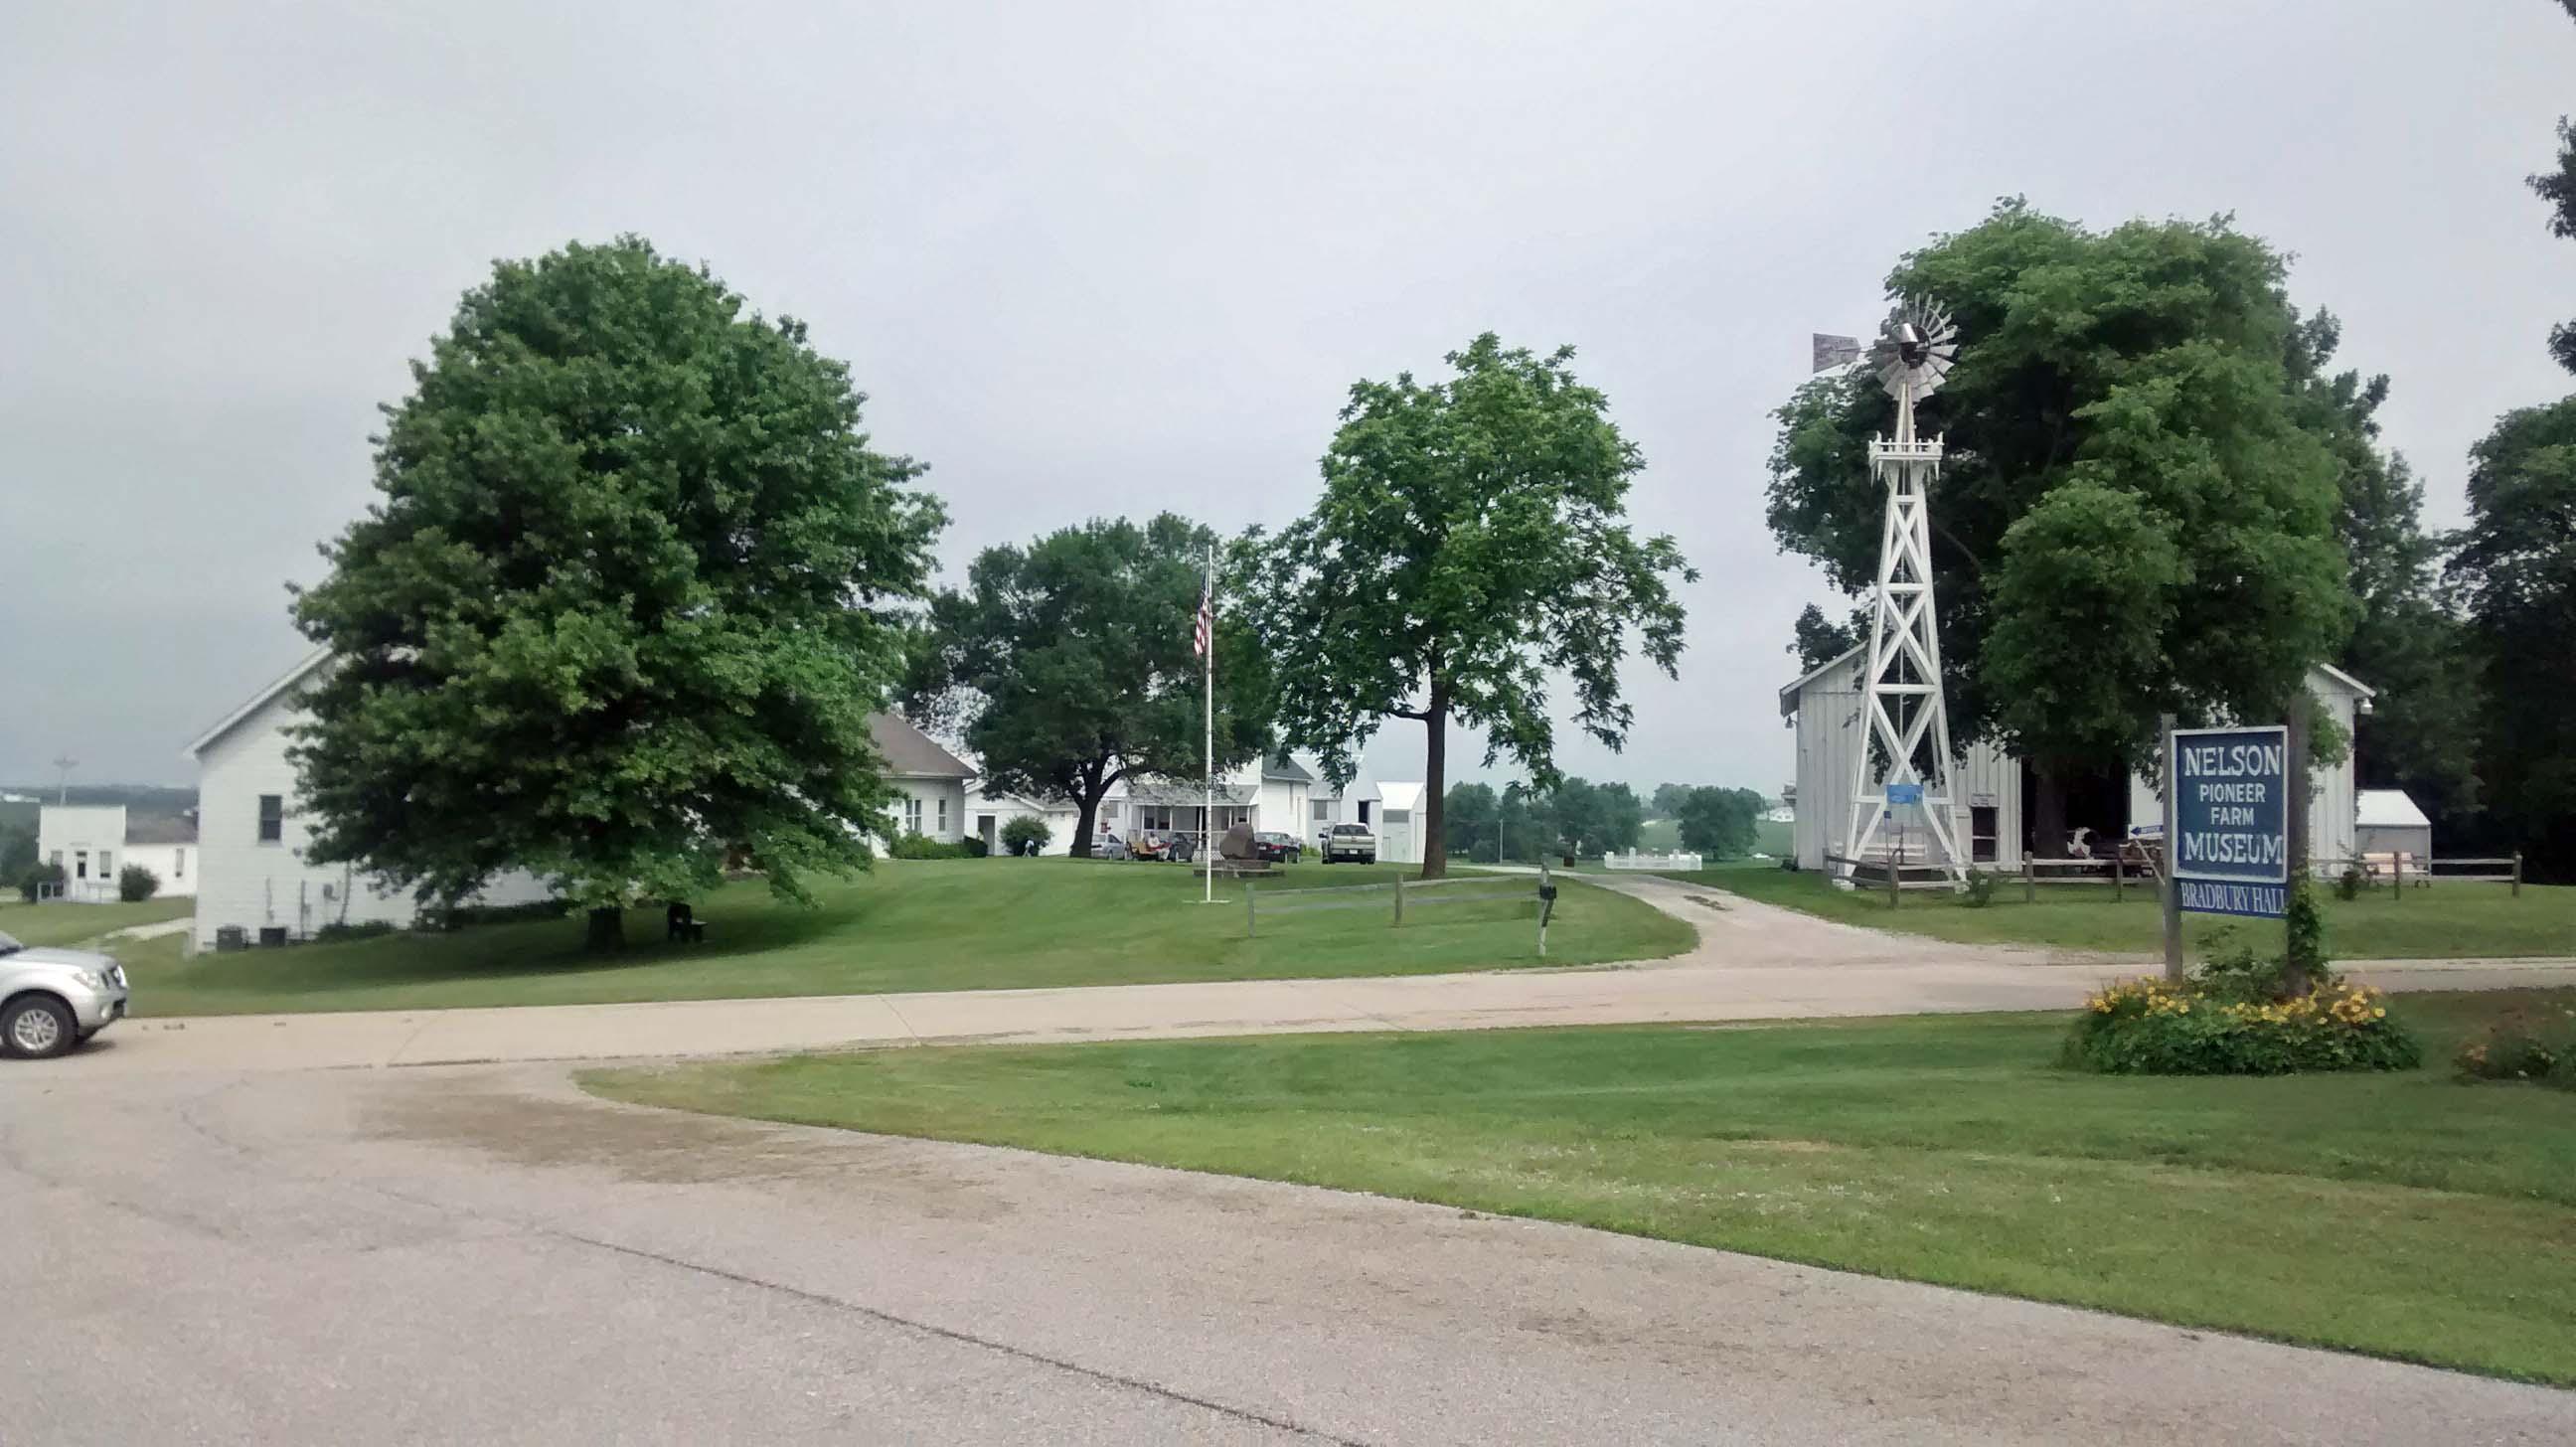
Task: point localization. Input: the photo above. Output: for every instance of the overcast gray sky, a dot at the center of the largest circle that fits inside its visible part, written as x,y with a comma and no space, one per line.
1111,259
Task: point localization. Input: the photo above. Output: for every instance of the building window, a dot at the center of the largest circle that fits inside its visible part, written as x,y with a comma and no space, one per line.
1982,823
272,818
107,864
178,864
912,815
1109,811
80,864
1323,811
943,815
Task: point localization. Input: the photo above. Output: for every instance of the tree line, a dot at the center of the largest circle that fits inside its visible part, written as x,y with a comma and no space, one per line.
1580,819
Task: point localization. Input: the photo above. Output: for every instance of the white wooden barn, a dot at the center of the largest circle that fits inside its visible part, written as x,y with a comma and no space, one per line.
1989,786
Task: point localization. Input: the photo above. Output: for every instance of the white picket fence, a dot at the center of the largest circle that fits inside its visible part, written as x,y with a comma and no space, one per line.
1658,862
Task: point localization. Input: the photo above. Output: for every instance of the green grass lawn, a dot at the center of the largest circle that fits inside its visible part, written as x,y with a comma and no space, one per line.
2401,1215
2447,921
912,925
70,924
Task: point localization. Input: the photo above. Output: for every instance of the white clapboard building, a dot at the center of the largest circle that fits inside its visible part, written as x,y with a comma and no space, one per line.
251,833
1991,788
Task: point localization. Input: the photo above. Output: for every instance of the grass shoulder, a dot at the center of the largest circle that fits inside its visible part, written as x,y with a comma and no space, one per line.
2446,921
907,926
2401,1215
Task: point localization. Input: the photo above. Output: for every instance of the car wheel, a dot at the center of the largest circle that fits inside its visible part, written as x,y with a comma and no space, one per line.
37,1026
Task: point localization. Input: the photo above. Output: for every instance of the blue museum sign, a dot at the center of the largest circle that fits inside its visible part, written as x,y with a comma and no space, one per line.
2231,844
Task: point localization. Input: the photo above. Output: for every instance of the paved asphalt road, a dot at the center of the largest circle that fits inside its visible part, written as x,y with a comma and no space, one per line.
481,1254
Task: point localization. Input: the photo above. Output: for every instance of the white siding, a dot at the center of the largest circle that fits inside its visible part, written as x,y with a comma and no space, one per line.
1059,816
175,865
88,840
258,885
1829,734
941,814
1828,722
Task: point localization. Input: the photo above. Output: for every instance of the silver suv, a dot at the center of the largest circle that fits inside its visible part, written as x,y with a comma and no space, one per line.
1346,842
52,1000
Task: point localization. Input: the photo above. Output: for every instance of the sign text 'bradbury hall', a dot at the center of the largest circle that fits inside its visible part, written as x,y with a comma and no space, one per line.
2231,840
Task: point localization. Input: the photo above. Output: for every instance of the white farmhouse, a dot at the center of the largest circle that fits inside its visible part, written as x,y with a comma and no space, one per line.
94,842
1991,788
251,871
929,781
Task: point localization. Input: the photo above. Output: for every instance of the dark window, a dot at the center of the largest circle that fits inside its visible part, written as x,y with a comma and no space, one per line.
1981,833
272,818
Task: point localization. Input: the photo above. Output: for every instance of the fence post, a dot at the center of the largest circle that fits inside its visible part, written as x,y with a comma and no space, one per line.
1251,912
2517,874
2398,857
2118,888
2029,879
1399,901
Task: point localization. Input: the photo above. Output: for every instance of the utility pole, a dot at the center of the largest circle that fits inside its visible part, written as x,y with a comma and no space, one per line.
63,766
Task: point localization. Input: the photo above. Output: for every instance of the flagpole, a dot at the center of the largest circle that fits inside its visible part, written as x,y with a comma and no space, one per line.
1207,807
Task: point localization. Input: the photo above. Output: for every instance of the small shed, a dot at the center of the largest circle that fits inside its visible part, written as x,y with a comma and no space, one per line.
1399,823
2387,822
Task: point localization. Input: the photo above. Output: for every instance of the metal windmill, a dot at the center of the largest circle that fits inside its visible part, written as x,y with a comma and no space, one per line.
1904,757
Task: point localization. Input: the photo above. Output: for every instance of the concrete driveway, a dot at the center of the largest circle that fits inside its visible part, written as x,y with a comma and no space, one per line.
483,1255
1753,962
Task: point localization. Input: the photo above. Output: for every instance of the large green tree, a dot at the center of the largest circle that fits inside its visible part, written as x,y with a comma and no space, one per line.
1470,548
1068,664
2517,561
625,602
2132,517
2409,640
1719,823
1468,820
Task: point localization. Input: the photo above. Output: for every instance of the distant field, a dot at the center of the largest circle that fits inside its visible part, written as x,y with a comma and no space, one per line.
974,924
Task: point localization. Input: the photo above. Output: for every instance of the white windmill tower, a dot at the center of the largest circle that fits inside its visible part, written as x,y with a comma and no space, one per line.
1904,760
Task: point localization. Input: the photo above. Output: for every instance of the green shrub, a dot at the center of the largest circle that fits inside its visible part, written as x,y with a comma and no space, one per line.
922,846
364,929
975,846
1981,889
2527,1042
32,883
2352,882
2154,1027
135,884
1025,834
2303,961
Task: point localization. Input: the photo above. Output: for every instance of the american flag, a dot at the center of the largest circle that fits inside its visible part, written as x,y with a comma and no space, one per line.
1207,619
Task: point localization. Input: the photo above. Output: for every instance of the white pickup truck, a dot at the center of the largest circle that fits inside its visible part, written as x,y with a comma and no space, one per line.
1348,843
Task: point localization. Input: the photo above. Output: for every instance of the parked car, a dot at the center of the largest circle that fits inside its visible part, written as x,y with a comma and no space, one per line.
1348,843
52,999
1106,845
1278,848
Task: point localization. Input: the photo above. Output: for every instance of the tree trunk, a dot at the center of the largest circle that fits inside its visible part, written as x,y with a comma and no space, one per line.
606,929
1086,809
1434,822
2047,812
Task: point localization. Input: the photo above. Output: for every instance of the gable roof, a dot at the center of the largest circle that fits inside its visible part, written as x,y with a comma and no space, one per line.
260,700
1285,771
910,753
161,829
2387,809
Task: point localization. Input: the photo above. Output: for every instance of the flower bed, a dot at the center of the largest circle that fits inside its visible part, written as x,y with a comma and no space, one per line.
2537,1045
2156,1027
